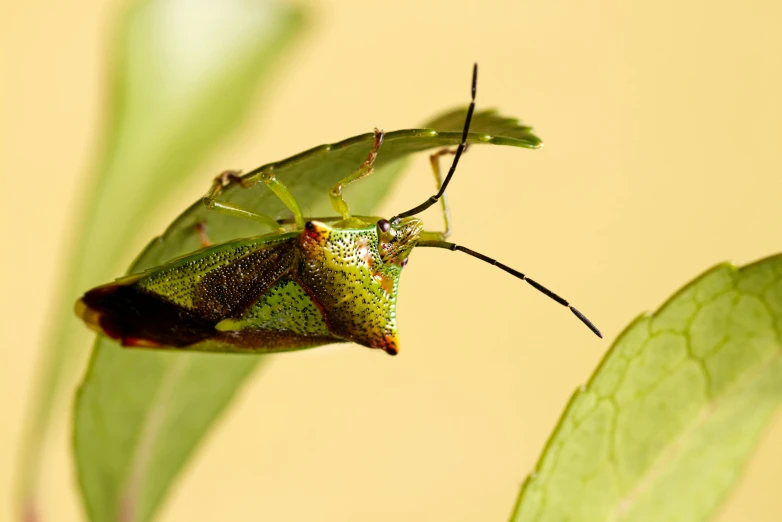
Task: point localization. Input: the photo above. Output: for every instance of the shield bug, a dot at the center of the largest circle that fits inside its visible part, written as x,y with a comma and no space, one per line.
314,282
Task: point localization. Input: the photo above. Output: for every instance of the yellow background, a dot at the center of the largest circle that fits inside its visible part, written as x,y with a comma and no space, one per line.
662,123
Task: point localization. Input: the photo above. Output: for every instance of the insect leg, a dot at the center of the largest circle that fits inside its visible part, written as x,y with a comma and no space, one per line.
434,160
282,192
335,193
212,203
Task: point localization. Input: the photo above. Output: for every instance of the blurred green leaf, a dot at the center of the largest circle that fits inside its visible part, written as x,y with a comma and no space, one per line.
140,414
184,72
670,417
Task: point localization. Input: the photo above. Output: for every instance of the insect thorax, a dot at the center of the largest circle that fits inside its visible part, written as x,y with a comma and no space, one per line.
355,280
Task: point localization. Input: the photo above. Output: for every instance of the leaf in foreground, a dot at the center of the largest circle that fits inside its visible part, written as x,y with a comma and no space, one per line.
140,414
184,72
670,417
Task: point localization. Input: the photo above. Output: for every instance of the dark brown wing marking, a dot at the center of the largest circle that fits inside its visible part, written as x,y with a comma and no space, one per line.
230,290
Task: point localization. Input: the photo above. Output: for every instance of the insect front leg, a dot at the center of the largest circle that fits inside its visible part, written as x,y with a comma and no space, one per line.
434,160
335,193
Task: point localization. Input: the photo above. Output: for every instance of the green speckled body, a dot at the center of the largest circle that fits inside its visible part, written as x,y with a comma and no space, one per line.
324,284
285,307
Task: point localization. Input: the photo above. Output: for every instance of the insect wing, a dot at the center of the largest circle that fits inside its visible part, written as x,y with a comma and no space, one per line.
180,303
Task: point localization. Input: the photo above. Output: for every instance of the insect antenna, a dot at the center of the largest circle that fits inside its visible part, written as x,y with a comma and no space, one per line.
459,150
516,273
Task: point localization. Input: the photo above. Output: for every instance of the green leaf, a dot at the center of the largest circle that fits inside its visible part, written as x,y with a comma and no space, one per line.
310,174
184,72
670,417
140,414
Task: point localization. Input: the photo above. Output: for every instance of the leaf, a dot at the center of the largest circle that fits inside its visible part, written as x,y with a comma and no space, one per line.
670,417
140,414
310,174
184,71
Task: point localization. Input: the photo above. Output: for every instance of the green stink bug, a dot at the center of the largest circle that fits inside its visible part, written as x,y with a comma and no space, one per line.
313,282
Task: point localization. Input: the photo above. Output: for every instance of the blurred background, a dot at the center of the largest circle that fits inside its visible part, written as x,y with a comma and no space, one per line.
661,124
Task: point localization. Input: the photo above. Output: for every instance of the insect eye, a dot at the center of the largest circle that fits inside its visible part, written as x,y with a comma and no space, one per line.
383,225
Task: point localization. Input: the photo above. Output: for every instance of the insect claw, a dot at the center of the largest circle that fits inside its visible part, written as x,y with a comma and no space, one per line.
227,176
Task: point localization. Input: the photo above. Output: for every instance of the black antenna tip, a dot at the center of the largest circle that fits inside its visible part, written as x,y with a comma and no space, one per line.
474,79
586,321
